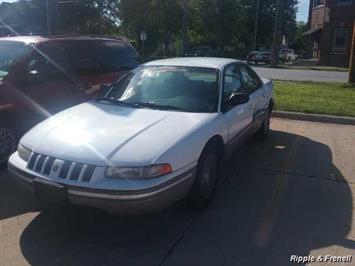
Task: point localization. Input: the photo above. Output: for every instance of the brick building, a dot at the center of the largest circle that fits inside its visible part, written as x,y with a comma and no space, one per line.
331,28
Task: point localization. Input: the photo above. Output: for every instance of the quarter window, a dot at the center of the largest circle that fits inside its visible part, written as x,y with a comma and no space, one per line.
249,79
232,82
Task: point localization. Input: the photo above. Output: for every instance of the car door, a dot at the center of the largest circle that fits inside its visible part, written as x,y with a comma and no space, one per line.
254,86
239,117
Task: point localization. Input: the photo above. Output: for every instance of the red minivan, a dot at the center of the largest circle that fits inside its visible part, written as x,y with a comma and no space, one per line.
40,76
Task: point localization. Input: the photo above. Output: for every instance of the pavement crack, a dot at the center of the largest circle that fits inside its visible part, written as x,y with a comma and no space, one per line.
180,238
292,173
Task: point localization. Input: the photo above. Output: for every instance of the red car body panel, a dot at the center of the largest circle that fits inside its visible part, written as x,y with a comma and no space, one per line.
25,102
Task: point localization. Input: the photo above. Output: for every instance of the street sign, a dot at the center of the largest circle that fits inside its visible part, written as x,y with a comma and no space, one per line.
143,36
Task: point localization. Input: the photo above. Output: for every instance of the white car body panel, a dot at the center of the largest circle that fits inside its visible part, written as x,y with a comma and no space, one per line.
123,136
101,134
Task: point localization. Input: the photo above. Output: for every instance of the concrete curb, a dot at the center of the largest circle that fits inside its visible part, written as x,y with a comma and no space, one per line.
343,120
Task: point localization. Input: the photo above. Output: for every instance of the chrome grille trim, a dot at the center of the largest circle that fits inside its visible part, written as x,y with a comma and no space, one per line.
36,162
82,172
44,164
75,171
30,158
70,170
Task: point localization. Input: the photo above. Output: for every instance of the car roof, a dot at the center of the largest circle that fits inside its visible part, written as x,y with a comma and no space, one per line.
206,62
33,39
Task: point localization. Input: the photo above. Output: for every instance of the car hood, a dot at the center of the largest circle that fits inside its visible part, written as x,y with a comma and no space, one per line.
103,134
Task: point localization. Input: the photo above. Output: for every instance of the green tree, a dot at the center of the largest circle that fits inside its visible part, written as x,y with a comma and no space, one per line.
300,44
227,25
161,19
83,16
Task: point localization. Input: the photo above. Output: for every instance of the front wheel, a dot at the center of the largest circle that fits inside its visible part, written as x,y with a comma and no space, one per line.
7,145
264,130
203,189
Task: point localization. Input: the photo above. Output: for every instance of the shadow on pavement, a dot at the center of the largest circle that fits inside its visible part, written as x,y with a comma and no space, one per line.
280,197
13,199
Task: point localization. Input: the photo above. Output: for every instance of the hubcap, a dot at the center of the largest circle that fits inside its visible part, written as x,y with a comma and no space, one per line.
7,144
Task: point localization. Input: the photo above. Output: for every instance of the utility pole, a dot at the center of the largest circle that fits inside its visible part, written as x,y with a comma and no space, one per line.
185,28
185,5
352,59
277,34
255,41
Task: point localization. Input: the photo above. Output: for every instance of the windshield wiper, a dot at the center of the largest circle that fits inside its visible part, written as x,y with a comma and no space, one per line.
117,102
152,105
149,105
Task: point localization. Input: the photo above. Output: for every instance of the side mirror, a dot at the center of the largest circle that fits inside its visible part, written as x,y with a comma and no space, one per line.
238,98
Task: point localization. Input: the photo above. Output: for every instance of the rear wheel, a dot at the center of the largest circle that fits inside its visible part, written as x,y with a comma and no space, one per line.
8,142
204,187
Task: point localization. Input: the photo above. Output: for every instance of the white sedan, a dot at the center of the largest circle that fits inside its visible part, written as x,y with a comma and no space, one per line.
157,135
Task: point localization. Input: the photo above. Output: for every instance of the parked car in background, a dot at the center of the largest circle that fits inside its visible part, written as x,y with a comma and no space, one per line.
203,51
287,55
40,76
259,57
251,56
157,136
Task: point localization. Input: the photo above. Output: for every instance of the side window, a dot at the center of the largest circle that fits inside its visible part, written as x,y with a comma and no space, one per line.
250,80
47,64
231,82
117,56
101,57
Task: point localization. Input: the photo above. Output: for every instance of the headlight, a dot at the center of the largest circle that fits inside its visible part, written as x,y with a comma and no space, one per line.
144,172
23,152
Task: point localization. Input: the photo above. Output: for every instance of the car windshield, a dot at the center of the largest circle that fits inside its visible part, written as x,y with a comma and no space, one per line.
187,89
10,53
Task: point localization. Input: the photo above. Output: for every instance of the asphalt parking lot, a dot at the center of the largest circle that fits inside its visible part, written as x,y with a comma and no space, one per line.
289,195
302,75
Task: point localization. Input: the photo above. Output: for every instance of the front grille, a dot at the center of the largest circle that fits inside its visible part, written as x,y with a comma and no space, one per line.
49,166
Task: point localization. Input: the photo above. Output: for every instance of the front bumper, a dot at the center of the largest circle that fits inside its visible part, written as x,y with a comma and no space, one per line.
113,201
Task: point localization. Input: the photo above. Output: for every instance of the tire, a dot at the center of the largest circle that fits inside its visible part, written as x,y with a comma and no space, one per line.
8,144
204,187
264,130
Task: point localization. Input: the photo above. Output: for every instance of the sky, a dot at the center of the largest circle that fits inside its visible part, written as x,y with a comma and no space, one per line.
303,6
302,14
